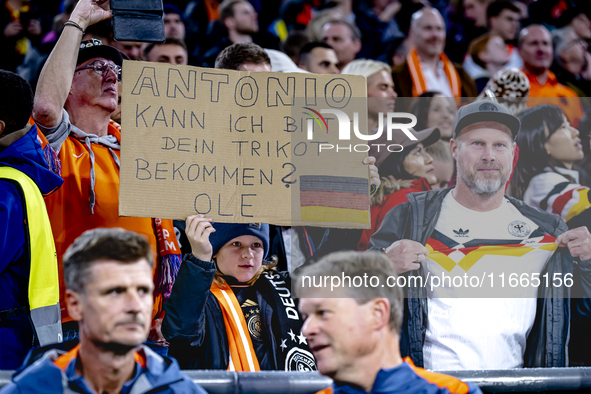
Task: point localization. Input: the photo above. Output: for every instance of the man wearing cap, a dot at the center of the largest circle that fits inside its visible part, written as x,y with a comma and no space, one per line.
76,93
474,230
402,172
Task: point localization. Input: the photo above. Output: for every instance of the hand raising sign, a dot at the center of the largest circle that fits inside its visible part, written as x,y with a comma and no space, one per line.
198,230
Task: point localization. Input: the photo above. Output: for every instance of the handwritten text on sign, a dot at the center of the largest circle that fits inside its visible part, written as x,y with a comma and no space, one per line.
231,145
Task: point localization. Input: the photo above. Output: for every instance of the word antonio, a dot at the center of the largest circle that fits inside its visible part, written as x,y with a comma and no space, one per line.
247,91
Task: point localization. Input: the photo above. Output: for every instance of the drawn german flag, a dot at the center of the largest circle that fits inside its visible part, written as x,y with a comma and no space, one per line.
325,198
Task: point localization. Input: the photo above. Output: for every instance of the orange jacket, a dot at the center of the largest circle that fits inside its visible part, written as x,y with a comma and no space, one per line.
69,207
555,93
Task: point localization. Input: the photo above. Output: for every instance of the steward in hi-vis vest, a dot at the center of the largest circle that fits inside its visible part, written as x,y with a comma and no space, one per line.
29,283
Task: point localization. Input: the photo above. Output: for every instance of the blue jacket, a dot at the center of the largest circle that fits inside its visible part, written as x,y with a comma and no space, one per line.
25,155
159,374
407,379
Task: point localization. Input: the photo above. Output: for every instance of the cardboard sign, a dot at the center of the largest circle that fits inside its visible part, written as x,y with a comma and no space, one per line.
241,146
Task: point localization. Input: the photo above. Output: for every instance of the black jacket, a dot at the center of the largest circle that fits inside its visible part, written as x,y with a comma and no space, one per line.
560,310
194,323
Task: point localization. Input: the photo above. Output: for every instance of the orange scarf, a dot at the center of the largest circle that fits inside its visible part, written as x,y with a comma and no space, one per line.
242,355
419,85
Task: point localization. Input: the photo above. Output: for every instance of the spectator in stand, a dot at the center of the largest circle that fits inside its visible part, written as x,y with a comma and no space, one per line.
174,26
243,57
29,307
401,173
109,279
172,51
226,288
503,18
397,52
132,49
545,177
475,11
486,56
354,332
318,57
535,48
76,94
443,162
197,16
240,20
293,44
434,110
459,328
572,61
466,23
427,67
376,19
577,18
22,29
344,38
381,97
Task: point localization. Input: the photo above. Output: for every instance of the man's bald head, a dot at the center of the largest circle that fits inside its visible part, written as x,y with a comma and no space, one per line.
426,12
535,48
427,32
535,28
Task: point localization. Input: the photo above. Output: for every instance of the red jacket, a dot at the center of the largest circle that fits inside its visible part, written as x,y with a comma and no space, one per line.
378,212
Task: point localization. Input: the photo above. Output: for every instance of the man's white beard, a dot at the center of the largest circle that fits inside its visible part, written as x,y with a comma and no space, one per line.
486,187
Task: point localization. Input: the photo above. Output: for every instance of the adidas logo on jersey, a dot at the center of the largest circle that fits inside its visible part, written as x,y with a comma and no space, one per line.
461,233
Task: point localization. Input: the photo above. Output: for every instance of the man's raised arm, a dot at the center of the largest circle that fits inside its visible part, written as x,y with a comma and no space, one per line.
56,77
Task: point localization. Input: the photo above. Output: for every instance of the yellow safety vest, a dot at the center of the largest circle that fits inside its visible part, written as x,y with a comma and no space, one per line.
43,277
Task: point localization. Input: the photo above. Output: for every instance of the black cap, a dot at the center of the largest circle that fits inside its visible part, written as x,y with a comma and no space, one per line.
95,48
485,111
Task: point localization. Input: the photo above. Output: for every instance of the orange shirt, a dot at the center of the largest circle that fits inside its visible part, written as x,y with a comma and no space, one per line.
555,93
69,210
65,359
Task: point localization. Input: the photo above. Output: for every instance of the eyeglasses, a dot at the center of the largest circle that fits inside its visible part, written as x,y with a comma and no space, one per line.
102,68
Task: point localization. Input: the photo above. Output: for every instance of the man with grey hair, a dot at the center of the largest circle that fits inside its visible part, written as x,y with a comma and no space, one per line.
108,274
452,241
344,38
354,331
427,68
572,61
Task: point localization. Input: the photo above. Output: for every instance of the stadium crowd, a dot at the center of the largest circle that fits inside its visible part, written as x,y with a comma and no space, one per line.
498,179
